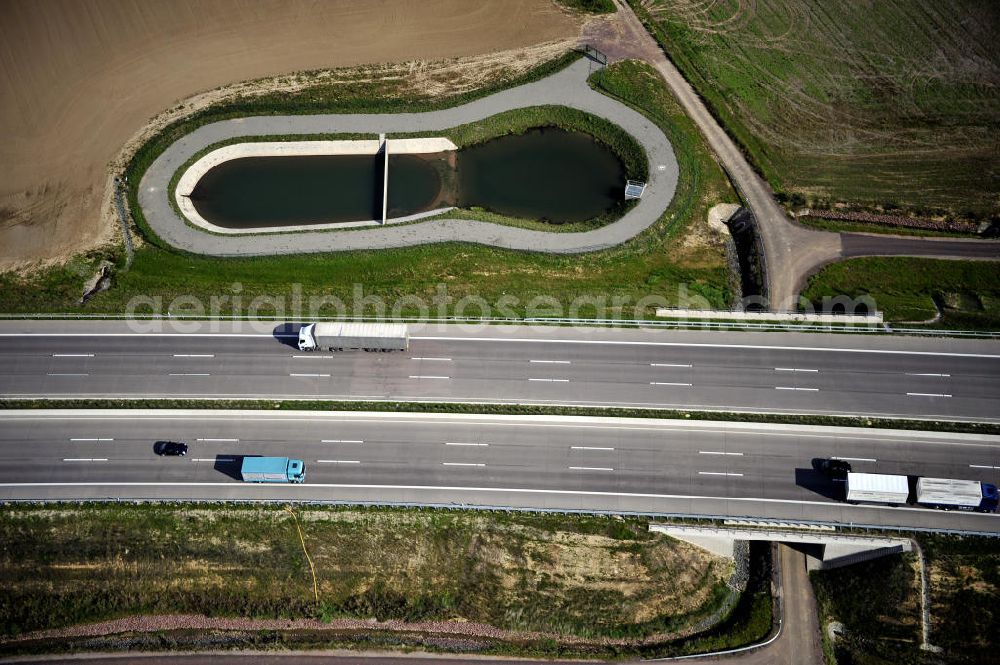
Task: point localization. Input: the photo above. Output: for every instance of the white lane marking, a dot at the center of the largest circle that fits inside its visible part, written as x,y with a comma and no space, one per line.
219,440
551,380
85,459
927,395
428,376
927,374
194,355
313,355
213,459
72,355
669,365
589,448
552,362
718,452
793,369
310,375
762,347
67,374
444,360
719,473
100,439
189,374
339,461
462,464
591,468
856,459
456,488
983,466
668,383
473,445
808,390
341,441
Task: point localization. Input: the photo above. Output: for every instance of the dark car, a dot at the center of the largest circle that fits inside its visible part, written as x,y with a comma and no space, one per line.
837,469
170,448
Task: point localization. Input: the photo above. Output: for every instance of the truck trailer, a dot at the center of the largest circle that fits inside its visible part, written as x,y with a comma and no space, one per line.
951,494
273,470
877,488
342,336
941,493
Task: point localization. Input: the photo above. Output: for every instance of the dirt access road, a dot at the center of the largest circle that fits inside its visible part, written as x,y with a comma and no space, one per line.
78,78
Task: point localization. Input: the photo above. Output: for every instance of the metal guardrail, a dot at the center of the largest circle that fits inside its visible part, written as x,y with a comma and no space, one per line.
845,327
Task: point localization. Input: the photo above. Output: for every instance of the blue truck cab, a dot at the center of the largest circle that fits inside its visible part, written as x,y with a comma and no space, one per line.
273,470
991,498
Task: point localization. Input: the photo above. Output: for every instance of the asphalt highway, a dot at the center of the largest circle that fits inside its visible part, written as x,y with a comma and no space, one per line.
755,372
658,466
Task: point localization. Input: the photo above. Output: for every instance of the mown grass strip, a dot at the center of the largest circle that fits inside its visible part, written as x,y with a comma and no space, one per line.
504,409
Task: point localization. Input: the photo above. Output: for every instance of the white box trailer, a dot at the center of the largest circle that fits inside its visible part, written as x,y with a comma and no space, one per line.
949,492
877,488
342,336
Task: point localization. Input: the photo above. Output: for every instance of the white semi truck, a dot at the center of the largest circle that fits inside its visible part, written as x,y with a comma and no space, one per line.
343,336
941,493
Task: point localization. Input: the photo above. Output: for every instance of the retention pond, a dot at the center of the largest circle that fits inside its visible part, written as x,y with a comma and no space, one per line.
546,174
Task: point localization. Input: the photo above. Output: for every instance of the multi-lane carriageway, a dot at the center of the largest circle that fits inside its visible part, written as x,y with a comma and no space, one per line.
621,465
787,372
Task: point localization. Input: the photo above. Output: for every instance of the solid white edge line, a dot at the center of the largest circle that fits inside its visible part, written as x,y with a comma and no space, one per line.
719,473
194,355
718,452
551,380
427,376
462,464
341,441
761,347
66,374
589,448
189,374
668,383
983,466
433,359
591,468
808,390
928,374
455,488
459,443
793,369
927,395
669,365
310,375
72,355
552,362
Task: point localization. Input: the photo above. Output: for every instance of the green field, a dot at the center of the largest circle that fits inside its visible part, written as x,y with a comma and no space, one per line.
966,293
583,576
677,251
875,103
878,602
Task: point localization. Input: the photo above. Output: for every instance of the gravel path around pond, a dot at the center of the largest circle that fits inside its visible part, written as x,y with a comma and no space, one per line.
567,88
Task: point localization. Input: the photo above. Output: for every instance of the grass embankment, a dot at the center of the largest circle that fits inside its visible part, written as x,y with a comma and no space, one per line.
676,251
967,293
878,602
572,576
884,105
589,6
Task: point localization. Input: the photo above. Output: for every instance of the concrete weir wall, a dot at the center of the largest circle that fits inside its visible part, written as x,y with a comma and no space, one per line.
189,179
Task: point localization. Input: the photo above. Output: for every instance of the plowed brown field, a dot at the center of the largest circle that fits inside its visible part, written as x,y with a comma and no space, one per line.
78,78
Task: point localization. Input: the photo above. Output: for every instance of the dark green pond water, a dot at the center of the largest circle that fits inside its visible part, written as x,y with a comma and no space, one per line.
545,174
